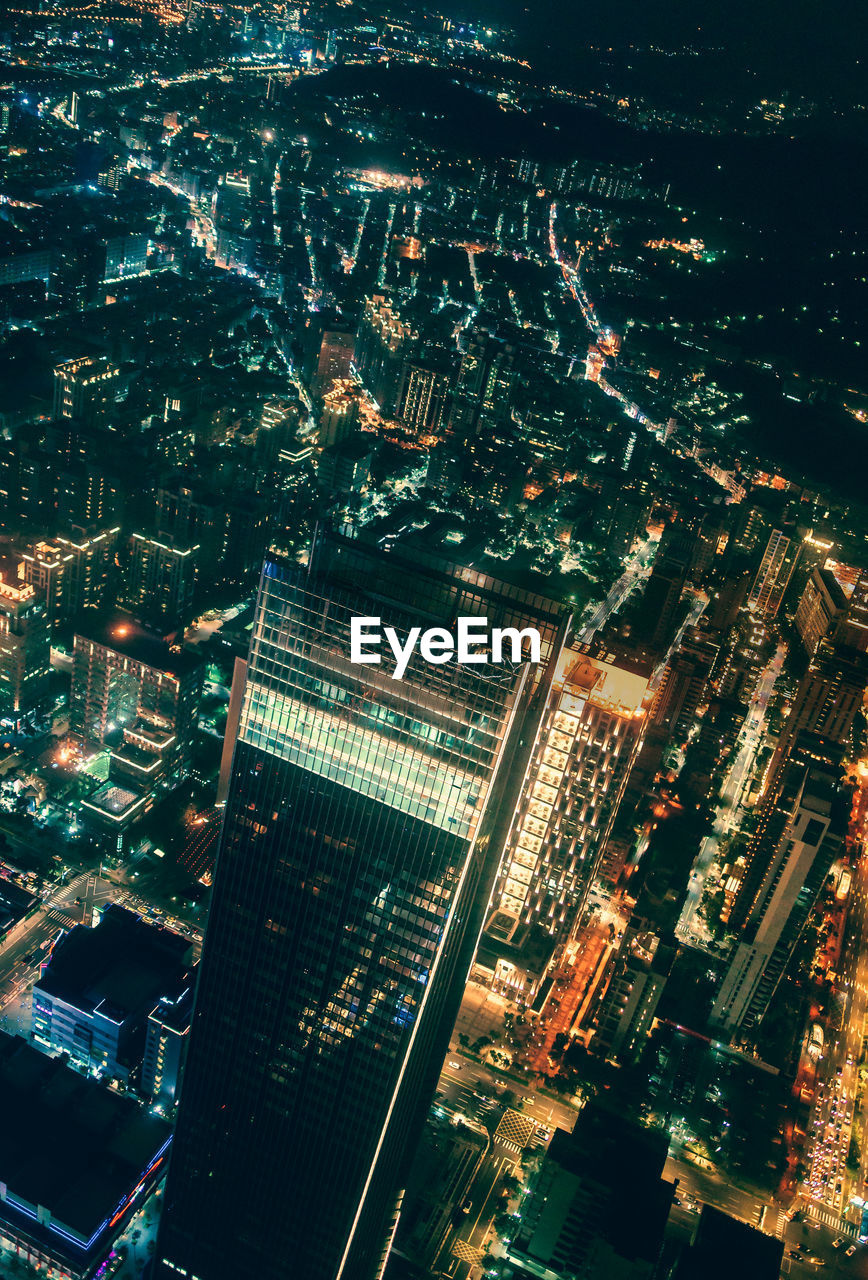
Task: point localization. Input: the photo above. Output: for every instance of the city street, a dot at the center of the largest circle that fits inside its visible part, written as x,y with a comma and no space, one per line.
466,1090
832,1190
636,570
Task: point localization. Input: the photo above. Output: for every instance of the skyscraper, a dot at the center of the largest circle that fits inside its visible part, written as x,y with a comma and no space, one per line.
830,695
588,740
161,581
684,682
423,397
823,602
24,650
798,836
383,341
363,826
774,573
85,388
127,683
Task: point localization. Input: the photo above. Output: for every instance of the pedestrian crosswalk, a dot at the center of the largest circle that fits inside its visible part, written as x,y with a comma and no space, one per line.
510,1146
61,917
829,1218
776,1223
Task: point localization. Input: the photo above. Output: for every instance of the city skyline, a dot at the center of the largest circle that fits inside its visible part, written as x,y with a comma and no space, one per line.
433,641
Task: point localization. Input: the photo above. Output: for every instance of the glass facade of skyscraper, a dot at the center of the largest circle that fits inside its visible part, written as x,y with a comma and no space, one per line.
363,829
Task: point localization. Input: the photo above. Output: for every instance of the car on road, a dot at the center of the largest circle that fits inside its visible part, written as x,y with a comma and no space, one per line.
455,1065
836,1244
851,1251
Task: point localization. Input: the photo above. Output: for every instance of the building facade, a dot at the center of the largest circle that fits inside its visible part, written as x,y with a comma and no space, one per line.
127,684
363,825
798,836
589,737
24,650
774,573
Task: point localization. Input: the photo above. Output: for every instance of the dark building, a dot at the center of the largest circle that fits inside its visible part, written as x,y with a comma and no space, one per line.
161,581
344,468
660,609
573,1221
684,682
85,388
363,828
639,974
724,1246
62,1215
383,342
829,698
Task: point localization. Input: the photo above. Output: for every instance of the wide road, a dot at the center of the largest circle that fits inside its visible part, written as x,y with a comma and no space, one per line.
457,1081
464,1091
59,911
830,1187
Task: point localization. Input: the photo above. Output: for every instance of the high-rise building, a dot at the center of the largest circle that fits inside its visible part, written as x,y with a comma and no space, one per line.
822,603
722,1245
362,832
334,358
621,513
339,415
232,211
660,609
773,576
168,1033
639,974
94,999
571,1223
161,581
85,388
852,629
48,570
126,257
469,388
127,683
345,468
71,573
230,528
798,836
829,696
680,692
383,341
423,398
587,742
93,556
24,650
